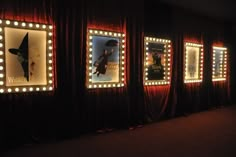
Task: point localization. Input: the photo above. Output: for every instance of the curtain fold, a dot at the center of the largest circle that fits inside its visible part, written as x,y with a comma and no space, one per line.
73,109
21,114
106,108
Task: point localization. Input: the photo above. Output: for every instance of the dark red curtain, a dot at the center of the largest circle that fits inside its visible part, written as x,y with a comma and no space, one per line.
25,116
72,109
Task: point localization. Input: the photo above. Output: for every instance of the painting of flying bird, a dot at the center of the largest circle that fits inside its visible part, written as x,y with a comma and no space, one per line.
22,55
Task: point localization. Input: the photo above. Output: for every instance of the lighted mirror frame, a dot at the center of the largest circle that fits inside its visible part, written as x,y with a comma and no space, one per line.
193,62
114,75
11,33
157,61
219,64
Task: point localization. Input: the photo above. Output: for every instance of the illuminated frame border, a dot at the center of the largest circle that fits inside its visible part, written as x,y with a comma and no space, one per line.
167,61
223,64
121,82
49,57
200,62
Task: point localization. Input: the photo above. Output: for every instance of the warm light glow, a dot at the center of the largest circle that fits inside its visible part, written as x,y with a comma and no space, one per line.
193,62
23,24
8,22
8,27
149,60
16,23
219,61
93,34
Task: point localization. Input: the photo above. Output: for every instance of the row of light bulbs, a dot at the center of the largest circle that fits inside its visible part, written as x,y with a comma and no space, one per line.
121,36
167,60
33,26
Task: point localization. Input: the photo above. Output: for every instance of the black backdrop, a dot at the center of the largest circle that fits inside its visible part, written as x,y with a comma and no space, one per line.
72,110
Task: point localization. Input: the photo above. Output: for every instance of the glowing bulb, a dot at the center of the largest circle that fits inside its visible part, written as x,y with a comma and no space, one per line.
16,23
8,22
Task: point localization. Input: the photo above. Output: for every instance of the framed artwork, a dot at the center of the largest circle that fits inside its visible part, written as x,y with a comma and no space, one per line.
219,65
193,62
26,57
105,59
157,58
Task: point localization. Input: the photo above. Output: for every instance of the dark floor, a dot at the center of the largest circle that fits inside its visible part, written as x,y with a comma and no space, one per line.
206,134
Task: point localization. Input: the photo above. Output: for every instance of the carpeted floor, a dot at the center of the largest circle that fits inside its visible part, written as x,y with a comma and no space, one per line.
206,134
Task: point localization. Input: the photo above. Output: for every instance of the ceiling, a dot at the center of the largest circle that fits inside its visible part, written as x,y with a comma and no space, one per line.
222,9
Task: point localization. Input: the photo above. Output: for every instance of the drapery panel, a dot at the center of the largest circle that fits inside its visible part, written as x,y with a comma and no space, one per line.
72,108
21,114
